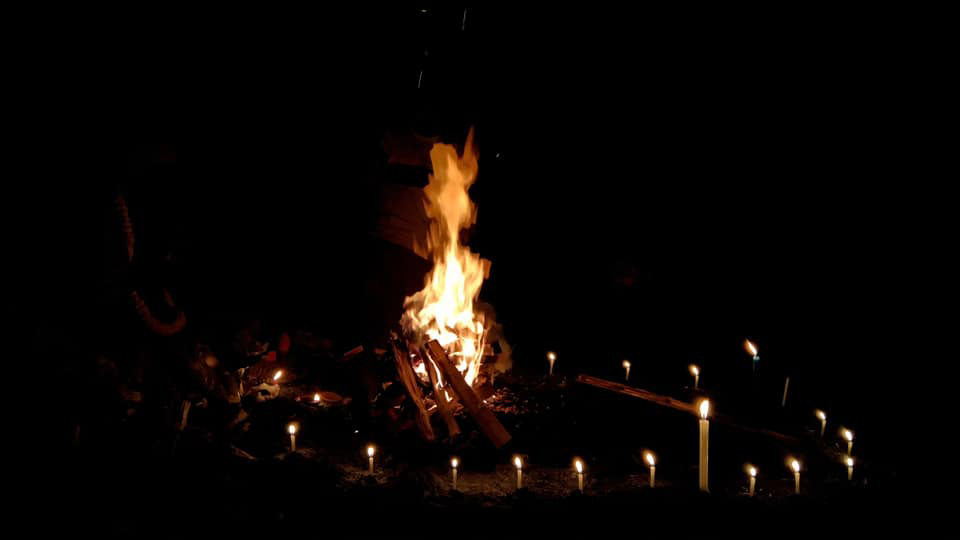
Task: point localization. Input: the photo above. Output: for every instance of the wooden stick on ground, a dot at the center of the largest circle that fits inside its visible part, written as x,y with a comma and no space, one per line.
409,380
676,404
489,425
438,396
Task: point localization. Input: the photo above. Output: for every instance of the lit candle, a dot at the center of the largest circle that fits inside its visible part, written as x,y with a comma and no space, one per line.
848,435
579,465
695,371
795,465
753,478
626,366
849,468
370,452
704,443
653,467
292,429
453,467
551,357
316,398
752,349
519,465
277,375
823,421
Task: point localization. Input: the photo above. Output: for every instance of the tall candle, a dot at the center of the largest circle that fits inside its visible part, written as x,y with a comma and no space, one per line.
848,435
695,371
626,366
653,468
519,465
753,479
795,465
849,468
551,357
704,444
823,421
453,465
579,465
292,429
370,452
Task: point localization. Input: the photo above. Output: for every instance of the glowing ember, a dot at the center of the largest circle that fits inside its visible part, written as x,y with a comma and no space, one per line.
444,309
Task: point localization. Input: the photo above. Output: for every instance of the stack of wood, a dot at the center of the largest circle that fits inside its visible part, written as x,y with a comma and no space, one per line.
448,391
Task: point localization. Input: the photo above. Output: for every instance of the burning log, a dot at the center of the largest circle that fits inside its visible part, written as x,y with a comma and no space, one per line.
489,425
409,380
438,395
676,404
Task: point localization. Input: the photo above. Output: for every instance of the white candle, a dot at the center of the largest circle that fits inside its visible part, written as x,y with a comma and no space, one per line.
704,444
848,435
453,466
626,366
849,468
579,465
551,357
695,371
519,465
292,429
795,465
753,479
653,468
823,421
370,452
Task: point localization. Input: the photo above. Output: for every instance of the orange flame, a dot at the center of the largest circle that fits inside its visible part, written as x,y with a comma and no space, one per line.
750,347
443,310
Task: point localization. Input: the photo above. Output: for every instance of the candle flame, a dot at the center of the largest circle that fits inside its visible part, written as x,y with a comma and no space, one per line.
820,414
316,398
551,356
848,435
454,462
579,465
626,364
704,409
753,472
795,465
750,347
694,369
276,376
517,463
292,428
370,451
650,459
849,461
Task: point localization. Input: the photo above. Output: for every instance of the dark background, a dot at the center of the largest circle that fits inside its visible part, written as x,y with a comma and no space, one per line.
652,186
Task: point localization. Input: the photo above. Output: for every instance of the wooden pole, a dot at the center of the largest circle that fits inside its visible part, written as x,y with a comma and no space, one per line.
488,423
409,380
438,396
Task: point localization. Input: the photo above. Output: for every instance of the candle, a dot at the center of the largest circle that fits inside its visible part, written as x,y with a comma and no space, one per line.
704,443
370,452
795,465
786,384
292,429
519,465
316,398
453,467
277,375
626,366
551,357
823,421
695,371
848,435
849,468
579,465
752,349
653,467
753,478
